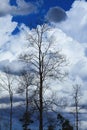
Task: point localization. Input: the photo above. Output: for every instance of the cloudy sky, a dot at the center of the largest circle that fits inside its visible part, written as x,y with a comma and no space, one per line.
69,21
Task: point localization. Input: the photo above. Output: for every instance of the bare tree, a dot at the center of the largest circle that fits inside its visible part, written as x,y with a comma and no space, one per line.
46,63
76,97
6,83
25,86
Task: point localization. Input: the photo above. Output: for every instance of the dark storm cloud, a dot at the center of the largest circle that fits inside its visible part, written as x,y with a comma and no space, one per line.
56,14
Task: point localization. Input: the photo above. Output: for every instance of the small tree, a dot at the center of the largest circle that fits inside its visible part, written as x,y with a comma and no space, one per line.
64,123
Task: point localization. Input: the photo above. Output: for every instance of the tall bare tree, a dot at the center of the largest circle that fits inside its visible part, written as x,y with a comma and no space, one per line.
77,96
7,83
25,86
46,63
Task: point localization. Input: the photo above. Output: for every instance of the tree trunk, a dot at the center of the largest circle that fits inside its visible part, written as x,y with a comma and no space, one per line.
41,104
41,89
26,122
76,116
11,107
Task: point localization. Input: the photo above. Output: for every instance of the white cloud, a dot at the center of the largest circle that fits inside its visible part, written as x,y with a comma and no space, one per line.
71,45
10,45
76,23
70,36
22,8
6,28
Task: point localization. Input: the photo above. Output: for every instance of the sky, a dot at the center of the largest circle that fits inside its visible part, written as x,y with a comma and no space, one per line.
68,19
18,16
33,11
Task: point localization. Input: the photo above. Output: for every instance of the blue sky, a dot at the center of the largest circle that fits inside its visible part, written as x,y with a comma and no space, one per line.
67,16
43,7
68,20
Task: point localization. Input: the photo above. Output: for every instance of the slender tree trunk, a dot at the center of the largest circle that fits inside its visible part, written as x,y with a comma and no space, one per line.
41,104
11,108
26,99
26,126
76,116
41,90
